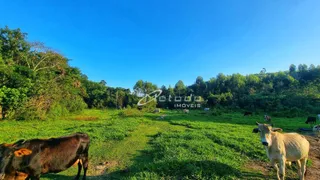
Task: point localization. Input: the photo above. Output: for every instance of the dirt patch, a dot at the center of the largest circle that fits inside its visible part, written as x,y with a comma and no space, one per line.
313,172
85,118
258,166
103,167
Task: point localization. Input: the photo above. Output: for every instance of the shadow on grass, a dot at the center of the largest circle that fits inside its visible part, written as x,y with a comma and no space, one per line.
287,124
253,175
65,177
152,165
178,170
175,119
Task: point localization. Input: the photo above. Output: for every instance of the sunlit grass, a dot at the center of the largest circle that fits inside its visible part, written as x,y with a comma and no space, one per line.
180,146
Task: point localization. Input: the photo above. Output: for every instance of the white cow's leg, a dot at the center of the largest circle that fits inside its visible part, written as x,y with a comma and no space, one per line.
282,168
274,164
303,167
299,168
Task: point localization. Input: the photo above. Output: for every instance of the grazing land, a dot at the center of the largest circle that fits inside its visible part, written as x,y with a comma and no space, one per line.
128,144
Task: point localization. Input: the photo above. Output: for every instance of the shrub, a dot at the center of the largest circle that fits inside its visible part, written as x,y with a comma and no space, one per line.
130,113
74,103
216,112
289,112
57,110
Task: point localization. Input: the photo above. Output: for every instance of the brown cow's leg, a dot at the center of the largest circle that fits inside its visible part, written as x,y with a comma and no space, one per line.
35,177
85,162
79,170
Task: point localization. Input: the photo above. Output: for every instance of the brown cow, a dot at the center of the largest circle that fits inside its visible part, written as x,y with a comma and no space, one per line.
40,156
267,118
247,113
311,120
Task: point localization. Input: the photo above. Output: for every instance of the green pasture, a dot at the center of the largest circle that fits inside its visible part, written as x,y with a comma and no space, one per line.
135,145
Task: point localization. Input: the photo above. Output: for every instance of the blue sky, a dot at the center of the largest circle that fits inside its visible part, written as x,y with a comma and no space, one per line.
163,41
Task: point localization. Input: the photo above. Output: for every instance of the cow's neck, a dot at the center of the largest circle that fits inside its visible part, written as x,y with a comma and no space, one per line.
271,147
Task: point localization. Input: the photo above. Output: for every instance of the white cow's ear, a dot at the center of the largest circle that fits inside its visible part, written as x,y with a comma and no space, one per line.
276,129
257,123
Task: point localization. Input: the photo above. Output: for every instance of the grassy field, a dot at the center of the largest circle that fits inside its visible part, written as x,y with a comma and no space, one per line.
131,145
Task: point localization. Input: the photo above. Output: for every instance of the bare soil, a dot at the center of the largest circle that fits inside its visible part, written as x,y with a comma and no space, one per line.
313,172
103,167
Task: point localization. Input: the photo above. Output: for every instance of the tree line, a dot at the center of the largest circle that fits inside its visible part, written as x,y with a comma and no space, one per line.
37,82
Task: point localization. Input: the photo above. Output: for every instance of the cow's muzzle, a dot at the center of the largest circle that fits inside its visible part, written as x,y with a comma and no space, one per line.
265,143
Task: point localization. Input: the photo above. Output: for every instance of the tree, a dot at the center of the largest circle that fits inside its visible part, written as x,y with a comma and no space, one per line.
13,45
302,67
10,99
263,71
171,91
103,82
139,88
43,58
143,87
39,74
164,90
200,86
220,86
180,88
292,69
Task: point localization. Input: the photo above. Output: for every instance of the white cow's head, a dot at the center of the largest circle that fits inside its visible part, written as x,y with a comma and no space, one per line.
316,128
265,133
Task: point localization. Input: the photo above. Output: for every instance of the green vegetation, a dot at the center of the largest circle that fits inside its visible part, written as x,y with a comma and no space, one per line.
138,145
37,82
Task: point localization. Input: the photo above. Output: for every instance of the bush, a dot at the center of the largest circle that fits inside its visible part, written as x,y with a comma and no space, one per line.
130,113
29,113
216,112
37,108
149,107
290,113
74,103
57,111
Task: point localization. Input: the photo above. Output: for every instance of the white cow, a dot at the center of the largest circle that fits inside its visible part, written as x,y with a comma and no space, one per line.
282,148
162,117
206,109
267,118
316,129
157,110
186,111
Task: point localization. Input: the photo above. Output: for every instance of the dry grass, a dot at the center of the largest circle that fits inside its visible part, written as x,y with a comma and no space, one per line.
85,118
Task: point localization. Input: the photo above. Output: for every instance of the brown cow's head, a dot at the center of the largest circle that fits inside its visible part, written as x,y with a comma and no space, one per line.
265,133
7,153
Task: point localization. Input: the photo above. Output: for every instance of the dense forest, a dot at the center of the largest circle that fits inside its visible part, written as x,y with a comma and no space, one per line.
37,82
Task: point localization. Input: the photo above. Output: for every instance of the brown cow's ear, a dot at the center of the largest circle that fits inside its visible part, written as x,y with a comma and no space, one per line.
276,129
255,130
22,152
